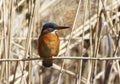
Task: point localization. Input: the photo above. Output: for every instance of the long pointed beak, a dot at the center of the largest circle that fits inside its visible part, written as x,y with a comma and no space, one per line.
61,27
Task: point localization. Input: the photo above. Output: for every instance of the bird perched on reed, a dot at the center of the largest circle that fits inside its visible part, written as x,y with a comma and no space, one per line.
48,43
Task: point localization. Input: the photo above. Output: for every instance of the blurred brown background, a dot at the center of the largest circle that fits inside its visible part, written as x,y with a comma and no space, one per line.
94,33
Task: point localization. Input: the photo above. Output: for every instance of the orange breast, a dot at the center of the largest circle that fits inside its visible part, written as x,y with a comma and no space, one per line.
48,45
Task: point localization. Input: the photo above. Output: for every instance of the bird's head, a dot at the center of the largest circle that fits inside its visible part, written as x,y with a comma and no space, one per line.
50,27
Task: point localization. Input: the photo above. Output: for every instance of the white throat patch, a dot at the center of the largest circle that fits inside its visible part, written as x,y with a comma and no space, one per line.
53,32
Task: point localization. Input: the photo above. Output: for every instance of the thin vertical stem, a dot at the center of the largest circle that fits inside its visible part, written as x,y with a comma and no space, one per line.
84,19
91,46
28,41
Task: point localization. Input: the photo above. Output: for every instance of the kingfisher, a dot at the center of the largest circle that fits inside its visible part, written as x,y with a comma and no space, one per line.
49,43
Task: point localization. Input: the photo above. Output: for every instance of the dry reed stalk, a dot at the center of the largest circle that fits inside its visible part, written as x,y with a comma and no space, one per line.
91,46
15,49
110,51
83,35
67,47
4,40
28,40
93,19
66,57
9,37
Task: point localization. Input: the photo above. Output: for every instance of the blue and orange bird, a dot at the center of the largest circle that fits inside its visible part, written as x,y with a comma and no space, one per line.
48,43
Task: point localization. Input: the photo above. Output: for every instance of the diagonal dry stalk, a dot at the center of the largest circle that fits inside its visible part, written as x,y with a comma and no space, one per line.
67,48
15,47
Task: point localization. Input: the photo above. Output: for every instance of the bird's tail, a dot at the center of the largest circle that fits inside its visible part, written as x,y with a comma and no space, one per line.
47,62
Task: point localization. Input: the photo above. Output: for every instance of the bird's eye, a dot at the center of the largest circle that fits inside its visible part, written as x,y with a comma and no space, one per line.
49,29
45,30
